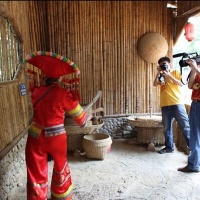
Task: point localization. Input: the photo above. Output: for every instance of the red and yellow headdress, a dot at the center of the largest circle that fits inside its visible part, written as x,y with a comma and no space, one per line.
51,64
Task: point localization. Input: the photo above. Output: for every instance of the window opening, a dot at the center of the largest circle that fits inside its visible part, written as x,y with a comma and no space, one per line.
9,58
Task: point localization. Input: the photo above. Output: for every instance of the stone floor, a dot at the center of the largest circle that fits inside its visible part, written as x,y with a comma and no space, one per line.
128,172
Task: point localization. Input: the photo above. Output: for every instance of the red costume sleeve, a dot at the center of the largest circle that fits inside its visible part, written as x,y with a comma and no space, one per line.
75,110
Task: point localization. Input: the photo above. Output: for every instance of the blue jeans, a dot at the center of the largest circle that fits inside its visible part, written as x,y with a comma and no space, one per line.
194,118
179,113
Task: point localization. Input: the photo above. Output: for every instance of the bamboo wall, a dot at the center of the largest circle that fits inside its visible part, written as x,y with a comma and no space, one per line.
101,38
15,109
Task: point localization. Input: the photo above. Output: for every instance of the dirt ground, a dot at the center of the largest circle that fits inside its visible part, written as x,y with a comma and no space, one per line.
129,172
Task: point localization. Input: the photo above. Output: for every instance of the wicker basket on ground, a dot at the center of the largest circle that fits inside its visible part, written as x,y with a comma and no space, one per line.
97,145
76,133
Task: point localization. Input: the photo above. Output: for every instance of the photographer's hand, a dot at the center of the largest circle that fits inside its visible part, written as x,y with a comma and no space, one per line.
156,80
159,69
192,63
169,75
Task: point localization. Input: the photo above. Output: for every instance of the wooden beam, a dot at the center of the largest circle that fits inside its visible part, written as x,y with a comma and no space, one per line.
190,12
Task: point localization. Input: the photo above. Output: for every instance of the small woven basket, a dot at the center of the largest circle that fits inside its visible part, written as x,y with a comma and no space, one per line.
97,145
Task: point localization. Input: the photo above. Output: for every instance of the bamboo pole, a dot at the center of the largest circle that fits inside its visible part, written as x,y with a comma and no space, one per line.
112,33
52,25
117,56
55,27
1,50
132,49
36,25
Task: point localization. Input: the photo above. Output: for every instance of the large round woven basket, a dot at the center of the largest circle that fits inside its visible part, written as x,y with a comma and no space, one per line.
96,145
149,129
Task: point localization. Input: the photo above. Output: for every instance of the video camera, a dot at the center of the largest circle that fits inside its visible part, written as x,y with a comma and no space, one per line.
186,56
183,63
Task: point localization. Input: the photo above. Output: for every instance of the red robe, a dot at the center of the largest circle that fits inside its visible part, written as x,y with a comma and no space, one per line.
49,116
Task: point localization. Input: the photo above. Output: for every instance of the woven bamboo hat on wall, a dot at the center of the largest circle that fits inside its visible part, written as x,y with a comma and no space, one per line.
152,46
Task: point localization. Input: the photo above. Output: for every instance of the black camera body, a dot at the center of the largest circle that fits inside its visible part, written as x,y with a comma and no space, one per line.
183,63
163,67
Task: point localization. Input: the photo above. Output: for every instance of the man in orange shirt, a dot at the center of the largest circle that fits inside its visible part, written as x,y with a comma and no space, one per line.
171,103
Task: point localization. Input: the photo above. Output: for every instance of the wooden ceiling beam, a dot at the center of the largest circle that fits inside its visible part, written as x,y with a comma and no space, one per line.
190,12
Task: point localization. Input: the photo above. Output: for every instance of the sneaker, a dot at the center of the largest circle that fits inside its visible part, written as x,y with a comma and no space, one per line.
162,151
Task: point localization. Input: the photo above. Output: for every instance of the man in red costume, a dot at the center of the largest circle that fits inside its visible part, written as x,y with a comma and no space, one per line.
47,136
